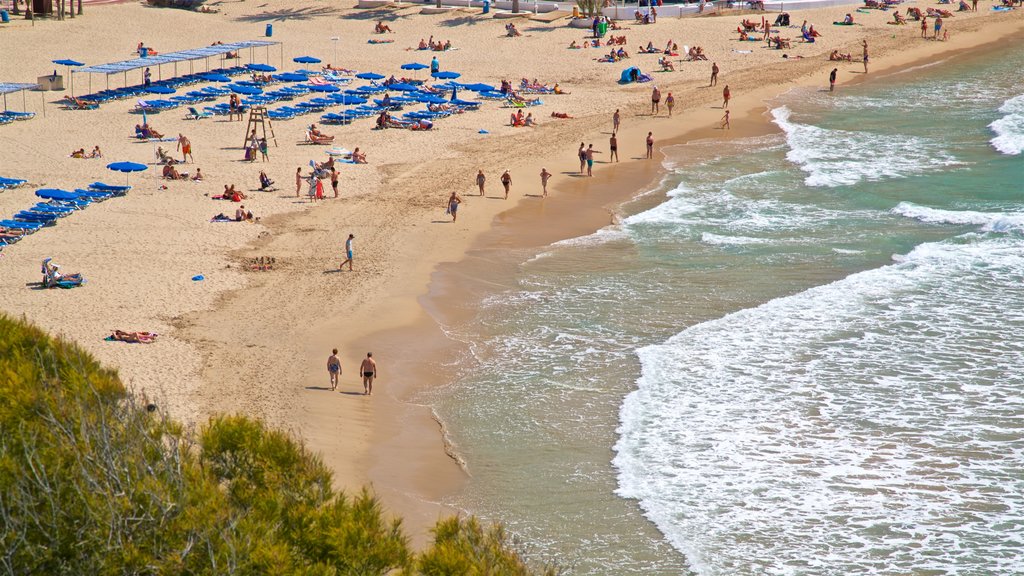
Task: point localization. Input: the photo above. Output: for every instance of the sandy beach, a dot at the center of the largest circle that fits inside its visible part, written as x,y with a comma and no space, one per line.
257,342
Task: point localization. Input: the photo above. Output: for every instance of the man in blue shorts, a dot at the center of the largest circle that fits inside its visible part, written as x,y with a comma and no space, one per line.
348,252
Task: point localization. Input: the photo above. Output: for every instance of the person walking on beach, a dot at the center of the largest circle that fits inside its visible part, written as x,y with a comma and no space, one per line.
655,101
544,177
506,181
435,65
590,159
865,44
714,74
725,97
186,148
369,371
832,79
650,145
582,153
613,145
334,181
670,102
480,180
298,181
453,205
348,253
615,120
334,368
725,121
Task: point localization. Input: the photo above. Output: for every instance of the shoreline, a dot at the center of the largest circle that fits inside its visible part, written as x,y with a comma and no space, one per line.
516,230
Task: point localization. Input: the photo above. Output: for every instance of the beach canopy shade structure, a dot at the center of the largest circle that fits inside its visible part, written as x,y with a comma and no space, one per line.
127,168
402,87
12,87
479,87
414,66
261,67
55,194
306,60
446,75
369,76
160,89
180,56
243,89
216,77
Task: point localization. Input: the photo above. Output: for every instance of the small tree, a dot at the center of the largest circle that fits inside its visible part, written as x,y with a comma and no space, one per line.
589,8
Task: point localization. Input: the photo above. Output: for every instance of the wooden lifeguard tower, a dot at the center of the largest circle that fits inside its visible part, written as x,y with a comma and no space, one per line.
259,121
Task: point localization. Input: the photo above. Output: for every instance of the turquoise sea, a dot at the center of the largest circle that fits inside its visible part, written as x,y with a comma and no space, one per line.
797,354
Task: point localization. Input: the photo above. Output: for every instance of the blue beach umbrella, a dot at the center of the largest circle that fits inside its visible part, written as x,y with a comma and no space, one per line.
403,87
414,66
306,60
348,99
69,64
215,77
243,89
323,87
55,194
446,75
479,87
431,99
369,76
126,167
291,77
160,89
261,67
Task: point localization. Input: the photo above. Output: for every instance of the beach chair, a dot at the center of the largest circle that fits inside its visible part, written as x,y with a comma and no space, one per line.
194,114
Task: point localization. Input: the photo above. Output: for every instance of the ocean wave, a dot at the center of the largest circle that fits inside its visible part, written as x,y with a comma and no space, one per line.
832,158
719,240
988,221
1009,129
867,426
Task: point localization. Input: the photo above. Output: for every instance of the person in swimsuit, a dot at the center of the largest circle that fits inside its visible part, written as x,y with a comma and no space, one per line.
832,79
582,153
650,145
714,74
615,122
865,44
613,145
938,27
506,181
725,97
369,370
590,159
480,181
670,102
186,148
334,181
334,368
655,100
453,205
348,252
544,176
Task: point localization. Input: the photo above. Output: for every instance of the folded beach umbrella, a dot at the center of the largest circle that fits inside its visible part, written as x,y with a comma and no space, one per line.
243,89
414,66
126,167
160,89
323,87
55,194
261,67
215,77
446,75
480,87
306,60
369,76
403,87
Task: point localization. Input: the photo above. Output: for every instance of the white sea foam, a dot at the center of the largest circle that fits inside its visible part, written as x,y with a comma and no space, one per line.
869,426
1009,129
833,158
988,221
719,240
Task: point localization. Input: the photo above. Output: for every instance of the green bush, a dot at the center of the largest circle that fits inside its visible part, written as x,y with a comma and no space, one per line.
92,482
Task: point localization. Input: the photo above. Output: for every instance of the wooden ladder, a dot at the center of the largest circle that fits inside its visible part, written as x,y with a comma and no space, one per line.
258,119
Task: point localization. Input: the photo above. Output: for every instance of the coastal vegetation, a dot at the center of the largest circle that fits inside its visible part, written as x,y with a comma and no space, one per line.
96,480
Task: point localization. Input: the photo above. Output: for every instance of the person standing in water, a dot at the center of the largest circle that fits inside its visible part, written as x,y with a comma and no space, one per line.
334,368
348,252
369,371
865,44
725,121
832,79
544,176
650,145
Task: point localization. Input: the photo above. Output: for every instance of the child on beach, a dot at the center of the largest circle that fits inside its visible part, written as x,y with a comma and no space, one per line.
725,121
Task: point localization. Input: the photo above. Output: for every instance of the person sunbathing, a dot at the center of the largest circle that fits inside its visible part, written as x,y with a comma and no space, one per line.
835,56
96,153
171,173
317,136
199,175
512,31
649,49
666,65
813,33
163,157
914,13
898,18
744,36
422,45
358,157
265,181
516,120
529,121
149,132
963,7
241,214
134,337
447,45
230,193
80,153
573,45
622,54
382,28
848,19
558,90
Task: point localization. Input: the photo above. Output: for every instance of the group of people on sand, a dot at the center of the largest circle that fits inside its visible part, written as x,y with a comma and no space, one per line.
434,46
81,153
506,182
367,370
671,49
146,132
519,120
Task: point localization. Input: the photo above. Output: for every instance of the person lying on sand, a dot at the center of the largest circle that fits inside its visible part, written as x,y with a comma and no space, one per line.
230,193
835,56
133,337
80,153
560,115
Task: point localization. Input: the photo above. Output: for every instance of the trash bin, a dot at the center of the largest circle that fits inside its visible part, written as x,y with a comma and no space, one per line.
487,6
5,17
270,30
143,52
602,28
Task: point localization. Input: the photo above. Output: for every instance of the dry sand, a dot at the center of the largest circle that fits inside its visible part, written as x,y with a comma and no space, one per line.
257,342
